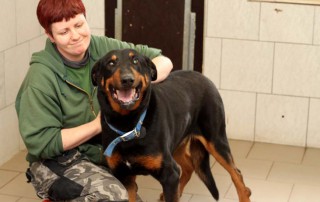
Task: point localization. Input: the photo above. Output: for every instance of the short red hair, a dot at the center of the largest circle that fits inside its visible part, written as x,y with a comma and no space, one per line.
51,11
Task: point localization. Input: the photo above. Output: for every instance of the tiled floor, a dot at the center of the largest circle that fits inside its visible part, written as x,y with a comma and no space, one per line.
275,173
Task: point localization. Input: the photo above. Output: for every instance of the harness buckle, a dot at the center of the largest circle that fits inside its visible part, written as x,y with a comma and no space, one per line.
136,133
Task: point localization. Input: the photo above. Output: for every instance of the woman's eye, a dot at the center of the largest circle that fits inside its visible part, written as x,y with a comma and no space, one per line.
63,33
78,25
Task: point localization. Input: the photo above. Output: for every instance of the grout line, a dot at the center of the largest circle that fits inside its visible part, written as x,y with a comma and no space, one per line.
272,165
308,116
314,25
291,192
220,68
255,118
250,150
15,177
273,67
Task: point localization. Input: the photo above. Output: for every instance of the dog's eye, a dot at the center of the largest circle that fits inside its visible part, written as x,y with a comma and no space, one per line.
111,63
135,61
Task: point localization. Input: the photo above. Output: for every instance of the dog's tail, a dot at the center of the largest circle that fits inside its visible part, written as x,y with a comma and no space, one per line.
201,164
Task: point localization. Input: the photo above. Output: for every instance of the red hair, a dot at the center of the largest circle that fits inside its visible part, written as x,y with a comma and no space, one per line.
51,11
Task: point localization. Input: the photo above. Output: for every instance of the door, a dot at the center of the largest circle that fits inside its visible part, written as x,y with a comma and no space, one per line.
168,25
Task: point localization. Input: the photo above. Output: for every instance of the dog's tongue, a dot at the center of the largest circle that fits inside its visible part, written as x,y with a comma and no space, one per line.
125,95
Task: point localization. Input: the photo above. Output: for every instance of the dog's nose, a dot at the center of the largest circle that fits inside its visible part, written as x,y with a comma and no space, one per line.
127,80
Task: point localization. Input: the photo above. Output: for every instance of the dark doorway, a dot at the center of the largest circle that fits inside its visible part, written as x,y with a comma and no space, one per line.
160,24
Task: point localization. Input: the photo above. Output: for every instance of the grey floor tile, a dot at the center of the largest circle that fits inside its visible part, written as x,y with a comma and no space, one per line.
278,153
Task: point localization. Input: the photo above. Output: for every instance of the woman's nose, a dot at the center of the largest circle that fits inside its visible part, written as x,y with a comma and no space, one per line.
74,34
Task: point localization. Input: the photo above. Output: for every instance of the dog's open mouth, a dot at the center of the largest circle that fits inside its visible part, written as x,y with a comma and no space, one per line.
126,97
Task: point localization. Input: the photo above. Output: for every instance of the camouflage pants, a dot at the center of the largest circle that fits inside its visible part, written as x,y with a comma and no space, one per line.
75,179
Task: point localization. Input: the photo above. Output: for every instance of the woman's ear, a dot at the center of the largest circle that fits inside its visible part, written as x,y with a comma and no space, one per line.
49,35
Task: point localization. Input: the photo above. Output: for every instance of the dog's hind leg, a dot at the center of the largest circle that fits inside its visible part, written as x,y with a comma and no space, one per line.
201,164
221,151
183,158
192,156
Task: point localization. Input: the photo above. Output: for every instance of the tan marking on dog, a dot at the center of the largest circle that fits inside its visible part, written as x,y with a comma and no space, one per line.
183,158
102,82
114,57
114,160
131,54
243,191
150,162
132,188
114,80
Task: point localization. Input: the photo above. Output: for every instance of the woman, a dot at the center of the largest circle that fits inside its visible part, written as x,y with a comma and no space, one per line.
58,110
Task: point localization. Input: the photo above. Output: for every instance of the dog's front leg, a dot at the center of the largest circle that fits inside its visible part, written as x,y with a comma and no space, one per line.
131,186
169,180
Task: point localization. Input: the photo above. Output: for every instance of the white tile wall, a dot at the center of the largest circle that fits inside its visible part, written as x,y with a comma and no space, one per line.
16,66
240,114
282,119
7,24
269,50
316,35
296,70
247,65
37,44
2,83
212,59
98,32
313,138
286,23
95,13
27,27
233,19
9,136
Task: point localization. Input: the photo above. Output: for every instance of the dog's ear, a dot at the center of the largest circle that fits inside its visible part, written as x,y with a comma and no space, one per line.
153,69
95,73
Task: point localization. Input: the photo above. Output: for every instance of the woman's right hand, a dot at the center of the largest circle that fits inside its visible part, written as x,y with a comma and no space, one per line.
73,137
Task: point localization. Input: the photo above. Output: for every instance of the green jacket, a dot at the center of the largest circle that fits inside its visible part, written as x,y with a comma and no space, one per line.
48,101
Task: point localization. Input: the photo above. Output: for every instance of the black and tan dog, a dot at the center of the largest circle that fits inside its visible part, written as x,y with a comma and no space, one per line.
167,130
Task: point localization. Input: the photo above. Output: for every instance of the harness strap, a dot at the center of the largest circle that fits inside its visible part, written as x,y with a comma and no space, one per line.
124,136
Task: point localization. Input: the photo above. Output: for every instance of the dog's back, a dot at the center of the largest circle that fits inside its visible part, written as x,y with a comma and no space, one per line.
189,100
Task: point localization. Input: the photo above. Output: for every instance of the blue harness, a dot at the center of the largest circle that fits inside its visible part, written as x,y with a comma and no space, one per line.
124,136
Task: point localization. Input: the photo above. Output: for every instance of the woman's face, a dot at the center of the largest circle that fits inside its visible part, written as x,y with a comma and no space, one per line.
72,37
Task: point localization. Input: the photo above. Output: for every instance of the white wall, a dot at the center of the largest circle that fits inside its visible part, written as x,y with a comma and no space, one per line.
21,35
265,59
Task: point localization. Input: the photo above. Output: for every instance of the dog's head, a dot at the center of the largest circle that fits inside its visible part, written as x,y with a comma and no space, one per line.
124,77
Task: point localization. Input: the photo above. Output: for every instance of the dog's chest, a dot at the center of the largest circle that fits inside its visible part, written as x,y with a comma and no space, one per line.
128,164
136,163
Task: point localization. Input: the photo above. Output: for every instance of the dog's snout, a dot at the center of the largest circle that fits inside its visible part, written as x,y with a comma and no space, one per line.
127,80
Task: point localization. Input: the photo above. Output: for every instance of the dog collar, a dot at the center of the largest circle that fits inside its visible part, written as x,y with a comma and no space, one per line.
124,136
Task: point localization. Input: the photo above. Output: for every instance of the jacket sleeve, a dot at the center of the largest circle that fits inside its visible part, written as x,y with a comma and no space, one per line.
40,122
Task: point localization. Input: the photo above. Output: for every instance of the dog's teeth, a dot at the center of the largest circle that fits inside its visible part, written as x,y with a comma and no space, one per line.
115,95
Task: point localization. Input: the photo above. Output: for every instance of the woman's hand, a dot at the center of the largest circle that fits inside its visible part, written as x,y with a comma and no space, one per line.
164,67
73,137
